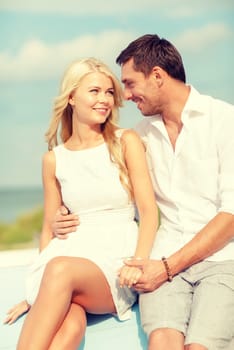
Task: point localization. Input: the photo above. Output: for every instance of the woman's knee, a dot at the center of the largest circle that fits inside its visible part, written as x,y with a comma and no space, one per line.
70,336
57,265
56,271
74,331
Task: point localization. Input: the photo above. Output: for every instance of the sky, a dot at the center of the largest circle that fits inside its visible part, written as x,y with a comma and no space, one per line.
39,39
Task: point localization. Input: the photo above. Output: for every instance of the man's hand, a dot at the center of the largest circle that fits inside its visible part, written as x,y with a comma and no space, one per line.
153,274
64,223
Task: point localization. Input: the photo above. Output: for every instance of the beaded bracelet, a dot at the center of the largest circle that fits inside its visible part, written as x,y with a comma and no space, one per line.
169,275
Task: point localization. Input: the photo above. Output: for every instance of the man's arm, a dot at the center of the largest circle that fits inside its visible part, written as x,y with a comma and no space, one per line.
212,238
64,223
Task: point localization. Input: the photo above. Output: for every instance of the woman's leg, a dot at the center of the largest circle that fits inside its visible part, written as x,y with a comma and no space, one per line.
65,280
72,330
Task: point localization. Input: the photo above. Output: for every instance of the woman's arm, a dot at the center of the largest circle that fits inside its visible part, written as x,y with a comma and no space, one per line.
144,197
16,311
52,201
52,198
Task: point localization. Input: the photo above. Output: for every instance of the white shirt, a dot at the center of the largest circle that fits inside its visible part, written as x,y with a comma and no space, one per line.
196,180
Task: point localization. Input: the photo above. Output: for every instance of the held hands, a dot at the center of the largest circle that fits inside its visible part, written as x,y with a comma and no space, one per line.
153,274
128,276
64,223
16,311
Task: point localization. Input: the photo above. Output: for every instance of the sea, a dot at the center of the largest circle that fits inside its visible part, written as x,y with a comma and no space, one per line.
15,202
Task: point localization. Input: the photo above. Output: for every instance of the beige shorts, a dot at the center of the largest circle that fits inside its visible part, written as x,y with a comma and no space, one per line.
199,302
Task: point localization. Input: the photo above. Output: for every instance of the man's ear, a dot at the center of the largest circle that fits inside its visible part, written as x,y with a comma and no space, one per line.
158,75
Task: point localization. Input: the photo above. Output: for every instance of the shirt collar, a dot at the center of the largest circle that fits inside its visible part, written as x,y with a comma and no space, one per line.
195,106
195,102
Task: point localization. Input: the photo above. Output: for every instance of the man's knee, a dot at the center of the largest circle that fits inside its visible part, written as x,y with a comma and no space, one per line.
195,347
166,338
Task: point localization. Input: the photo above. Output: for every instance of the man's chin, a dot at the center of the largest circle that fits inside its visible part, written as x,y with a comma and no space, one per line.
146,114
142,111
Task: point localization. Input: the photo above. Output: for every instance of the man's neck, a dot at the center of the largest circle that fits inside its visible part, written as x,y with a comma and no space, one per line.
172,113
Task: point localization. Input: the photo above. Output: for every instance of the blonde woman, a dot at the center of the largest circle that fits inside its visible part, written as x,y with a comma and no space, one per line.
99,172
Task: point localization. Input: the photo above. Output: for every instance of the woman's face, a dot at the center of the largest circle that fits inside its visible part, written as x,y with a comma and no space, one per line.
93,100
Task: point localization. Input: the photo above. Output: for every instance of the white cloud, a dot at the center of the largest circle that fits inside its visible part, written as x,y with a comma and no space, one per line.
79,7
102,7
186,9
198,39
38,60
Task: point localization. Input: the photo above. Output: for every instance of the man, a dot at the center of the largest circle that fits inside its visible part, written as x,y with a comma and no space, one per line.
187,288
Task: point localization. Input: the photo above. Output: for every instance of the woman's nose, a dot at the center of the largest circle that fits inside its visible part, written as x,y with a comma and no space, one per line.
102,97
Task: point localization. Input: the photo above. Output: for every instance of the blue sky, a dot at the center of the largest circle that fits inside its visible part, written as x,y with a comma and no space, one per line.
38,39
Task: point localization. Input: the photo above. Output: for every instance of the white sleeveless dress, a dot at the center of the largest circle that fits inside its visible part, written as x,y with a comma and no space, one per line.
107,232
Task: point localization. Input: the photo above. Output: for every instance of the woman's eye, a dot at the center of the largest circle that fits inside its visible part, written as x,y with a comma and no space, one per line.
110,92
94,90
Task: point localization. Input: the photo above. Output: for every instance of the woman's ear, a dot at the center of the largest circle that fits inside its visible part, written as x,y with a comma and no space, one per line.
71,100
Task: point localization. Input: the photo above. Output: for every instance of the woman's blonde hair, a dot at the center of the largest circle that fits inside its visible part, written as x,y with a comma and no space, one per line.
62,113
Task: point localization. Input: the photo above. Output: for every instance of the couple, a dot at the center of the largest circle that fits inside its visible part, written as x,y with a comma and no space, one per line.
187,286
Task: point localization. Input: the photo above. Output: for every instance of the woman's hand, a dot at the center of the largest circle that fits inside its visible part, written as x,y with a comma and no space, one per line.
153,274
16,311
128,276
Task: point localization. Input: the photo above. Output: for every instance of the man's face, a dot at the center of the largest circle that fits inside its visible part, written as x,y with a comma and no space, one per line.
140,89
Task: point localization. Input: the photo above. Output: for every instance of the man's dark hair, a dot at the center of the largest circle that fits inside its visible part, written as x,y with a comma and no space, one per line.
149,51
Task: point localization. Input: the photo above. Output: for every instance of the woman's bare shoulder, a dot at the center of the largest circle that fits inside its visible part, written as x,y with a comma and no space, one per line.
49,158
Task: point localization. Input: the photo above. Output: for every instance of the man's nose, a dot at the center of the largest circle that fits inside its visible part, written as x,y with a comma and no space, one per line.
127,94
